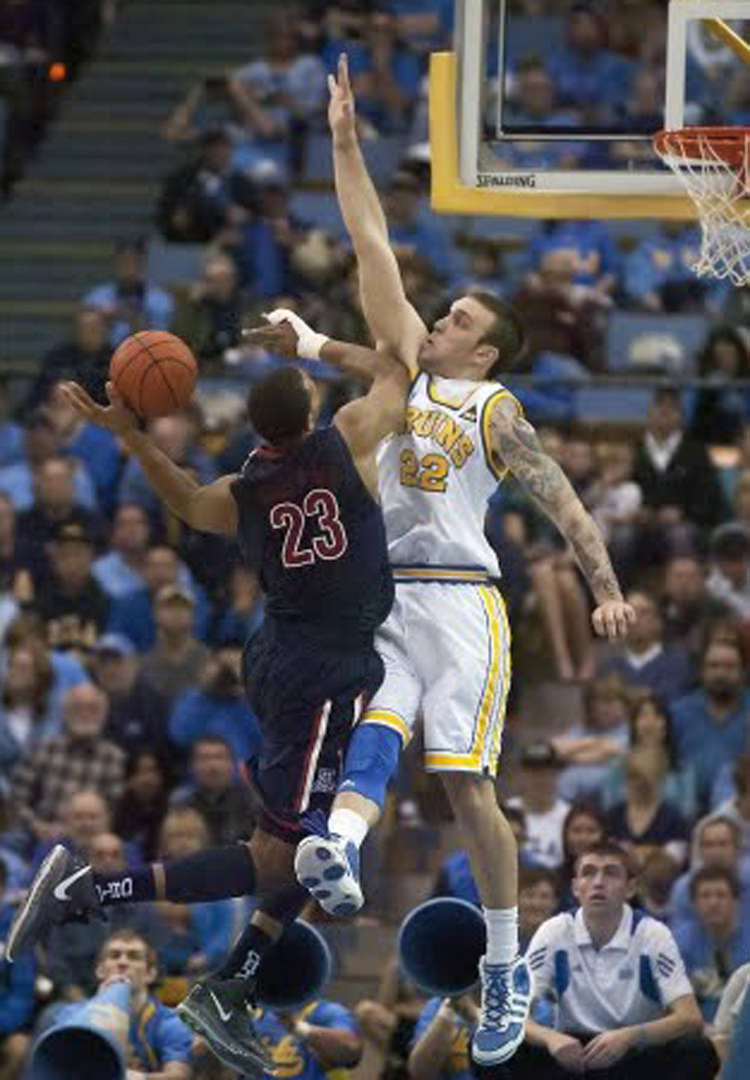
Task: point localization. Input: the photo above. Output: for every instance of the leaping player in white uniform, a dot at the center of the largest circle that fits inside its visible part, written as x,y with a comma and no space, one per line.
446,644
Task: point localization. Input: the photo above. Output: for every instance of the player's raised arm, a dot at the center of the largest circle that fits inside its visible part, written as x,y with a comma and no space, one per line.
365,421
392,320
287,334
516,445
207,507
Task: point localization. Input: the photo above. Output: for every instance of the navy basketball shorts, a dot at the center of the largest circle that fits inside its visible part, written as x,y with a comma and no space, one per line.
307,700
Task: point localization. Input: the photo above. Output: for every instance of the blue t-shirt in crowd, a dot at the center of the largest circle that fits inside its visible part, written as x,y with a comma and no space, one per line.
456,1066
197,714
660,259
292,1057
589,244
154,307
17,482
156,1037
708,963
17,999
132,615
602,78
708,743
667,674
97,449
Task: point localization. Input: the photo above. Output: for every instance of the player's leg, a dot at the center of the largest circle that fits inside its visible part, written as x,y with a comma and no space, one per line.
548,597
467,669
577,619
328,863
294,780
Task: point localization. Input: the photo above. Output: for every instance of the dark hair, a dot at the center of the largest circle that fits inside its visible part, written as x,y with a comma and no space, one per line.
529,876
506,334
733,337
127,933
604,848
279,405
725,823
660,706
714,873
211,740
43,675
135,756
579,809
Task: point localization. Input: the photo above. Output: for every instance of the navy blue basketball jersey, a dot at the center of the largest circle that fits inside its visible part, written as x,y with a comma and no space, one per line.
313,531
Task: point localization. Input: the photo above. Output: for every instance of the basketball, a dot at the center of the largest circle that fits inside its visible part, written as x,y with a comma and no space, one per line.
154,372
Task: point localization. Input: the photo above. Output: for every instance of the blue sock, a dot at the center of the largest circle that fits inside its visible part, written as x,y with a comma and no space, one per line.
371,761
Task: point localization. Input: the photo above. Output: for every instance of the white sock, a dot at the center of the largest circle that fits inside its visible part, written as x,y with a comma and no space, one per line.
349,824
502,934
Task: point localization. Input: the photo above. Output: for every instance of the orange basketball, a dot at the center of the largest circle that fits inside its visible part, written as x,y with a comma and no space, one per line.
154,372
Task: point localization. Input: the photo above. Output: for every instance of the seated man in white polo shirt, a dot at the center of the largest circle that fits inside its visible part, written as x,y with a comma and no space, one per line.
624,1005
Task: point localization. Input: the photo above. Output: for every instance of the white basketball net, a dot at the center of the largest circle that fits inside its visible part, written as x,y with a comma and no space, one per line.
716,172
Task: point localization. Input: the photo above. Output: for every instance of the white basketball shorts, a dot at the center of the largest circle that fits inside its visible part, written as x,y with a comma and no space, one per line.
446,650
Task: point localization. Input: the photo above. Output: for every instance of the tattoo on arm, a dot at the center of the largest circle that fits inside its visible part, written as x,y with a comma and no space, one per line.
517,445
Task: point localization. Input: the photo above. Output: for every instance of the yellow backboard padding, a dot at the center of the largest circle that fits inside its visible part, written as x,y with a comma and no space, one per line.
450,196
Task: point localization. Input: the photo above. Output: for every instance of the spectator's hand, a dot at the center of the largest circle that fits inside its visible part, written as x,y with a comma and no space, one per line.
282,230
281,338
669,515
607,1048
237,215
341,105
567,1051
466,1008
613,619
376,1020
117,417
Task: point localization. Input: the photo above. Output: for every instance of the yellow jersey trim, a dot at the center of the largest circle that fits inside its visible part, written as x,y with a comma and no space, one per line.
491,606
498,471
439,573
389,719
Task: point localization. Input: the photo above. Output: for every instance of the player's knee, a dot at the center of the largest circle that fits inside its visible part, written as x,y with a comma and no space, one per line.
371,761
469,794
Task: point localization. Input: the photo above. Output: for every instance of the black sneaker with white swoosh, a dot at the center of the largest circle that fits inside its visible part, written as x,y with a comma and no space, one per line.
217,1010
62,891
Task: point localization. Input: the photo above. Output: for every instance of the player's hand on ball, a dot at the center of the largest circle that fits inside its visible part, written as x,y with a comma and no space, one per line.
613,619
280,339
116,416
341,104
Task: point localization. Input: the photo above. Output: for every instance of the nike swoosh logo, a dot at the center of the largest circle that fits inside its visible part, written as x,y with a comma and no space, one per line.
225,1016
61,890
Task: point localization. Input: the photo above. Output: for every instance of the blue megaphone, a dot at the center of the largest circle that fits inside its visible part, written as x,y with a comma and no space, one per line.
439,946
294,970
90,1043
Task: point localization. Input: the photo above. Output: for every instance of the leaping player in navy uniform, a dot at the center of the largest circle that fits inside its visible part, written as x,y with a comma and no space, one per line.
305,511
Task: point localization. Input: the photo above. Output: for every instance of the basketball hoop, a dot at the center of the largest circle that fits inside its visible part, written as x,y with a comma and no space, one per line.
714,166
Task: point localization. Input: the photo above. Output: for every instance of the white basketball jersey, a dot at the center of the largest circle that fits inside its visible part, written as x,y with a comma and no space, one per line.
436,478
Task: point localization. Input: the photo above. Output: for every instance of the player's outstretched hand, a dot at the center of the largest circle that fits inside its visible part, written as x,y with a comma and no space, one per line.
341,105
280,338
116,416
613,619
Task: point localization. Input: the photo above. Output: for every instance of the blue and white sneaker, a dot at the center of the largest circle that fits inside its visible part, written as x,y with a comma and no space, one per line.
506,999
328,867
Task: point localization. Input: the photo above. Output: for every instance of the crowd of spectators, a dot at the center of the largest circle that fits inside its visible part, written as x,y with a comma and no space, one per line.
43,44
123,724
